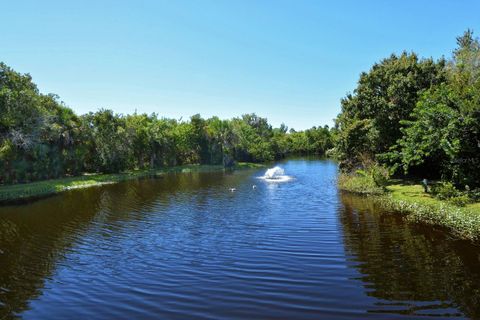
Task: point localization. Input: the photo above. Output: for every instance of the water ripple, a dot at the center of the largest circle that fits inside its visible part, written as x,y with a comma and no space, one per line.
186,247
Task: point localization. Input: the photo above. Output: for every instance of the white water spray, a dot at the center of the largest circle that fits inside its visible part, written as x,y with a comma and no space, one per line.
275,174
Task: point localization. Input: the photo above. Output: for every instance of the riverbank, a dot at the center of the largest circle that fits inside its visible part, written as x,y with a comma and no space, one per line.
39,189
409,199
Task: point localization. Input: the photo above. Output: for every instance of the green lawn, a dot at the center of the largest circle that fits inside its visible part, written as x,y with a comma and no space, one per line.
413,192
19,192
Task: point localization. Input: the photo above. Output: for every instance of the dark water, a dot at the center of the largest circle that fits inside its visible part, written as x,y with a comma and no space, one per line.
185,247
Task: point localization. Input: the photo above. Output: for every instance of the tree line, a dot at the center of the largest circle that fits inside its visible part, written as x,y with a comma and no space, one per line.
416,117
41,138
413,116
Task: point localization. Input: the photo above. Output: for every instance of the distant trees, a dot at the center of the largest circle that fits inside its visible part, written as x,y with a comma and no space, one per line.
417,116
316,140
41,138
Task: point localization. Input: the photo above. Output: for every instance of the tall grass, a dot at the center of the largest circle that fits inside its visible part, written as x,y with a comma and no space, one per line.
360,184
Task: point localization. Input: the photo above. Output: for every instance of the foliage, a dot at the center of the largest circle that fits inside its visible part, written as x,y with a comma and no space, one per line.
463,223
444,190
418,117
445,130
380,175
409,199
316,140
359,183
372,179
460,200
370,118
473,195
41,138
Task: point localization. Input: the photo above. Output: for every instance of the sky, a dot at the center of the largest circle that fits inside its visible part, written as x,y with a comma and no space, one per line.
289,61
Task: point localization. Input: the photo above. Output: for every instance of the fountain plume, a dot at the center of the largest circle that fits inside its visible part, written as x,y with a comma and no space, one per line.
275,174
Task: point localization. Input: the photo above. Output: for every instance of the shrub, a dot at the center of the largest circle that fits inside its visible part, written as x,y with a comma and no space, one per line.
474,194
460,200
371,180
445,190
358,183
380,175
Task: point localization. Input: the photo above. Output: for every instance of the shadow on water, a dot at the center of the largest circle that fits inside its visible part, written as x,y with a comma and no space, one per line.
410,269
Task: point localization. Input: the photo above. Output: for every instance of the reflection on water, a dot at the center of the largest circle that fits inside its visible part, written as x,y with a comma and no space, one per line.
410,269
184,246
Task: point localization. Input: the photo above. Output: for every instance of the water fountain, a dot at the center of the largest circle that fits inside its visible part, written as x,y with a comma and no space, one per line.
275,174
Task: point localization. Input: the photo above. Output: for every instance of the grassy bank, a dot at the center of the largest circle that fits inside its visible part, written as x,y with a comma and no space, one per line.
409,198
29,191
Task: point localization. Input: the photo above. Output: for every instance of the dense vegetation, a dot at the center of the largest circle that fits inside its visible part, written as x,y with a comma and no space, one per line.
416,118
41,138
408,116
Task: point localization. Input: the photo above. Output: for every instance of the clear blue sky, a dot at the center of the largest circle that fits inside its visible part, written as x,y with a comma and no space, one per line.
290,61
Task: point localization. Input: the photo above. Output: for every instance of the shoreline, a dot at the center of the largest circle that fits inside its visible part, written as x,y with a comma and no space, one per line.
408,198
27,192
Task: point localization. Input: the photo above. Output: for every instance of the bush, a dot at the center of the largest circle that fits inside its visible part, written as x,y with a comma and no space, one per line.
371,180
378,174
460,200
474,194
445,190
359,183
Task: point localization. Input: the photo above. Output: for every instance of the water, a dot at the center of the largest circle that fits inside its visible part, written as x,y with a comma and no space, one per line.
185,247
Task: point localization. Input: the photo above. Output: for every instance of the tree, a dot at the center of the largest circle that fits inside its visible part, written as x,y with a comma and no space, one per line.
113,152
444,132
41,138
384,97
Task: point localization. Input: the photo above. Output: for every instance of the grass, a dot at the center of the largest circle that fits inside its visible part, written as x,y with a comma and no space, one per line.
409,198
359,184
33,190
249,165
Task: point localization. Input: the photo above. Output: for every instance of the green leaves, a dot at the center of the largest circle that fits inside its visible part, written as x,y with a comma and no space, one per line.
418,115
41,138
371,118
445,128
